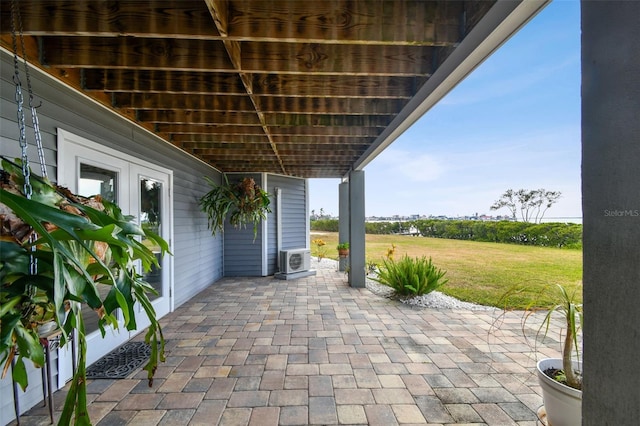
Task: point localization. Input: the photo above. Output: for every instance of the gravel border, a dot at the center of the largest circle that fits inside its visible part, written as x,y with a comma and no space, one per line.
434,299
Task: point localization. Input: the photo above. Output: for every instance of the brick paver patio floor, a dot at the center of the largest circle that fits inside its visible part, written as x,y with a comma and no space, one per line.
261,351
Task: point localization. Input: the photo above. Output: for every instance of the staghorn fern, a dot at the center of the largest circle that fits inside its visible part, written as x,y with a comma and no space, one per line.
82,244
243,202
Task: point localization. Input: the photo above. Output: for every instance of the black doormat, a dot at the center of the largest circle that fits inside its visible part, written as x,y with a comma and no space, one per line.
119,363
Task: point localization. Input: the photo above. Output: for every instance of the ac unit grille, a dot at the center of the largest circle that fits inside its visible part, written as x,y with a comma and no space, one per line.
297,260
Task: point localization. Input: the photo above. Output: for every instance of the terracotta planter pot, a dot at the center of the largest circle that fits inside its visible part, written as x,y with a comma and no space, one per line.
343,253
563,404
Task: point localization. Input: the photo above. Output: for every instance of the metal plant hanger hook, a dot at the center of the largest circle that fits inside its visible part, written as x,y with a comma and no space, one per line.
16,20
17,30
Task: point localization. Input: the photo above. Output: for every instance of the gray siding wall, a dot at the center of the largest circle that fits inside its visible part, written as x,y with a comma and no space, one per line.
197,255
242,255
294,217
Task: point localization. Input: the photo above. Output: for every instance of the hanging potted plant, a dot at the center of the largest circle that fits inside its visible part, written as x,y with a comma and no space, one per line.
343,249
560,378
242,202
57,249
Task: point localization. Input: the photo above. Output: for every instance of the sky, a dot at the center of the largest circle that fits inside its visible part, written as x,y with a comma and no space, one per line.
513,123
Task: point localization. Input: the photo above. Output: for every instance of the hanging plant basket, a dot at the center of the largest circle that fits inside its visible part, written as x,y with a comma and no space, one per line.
243,202
79,245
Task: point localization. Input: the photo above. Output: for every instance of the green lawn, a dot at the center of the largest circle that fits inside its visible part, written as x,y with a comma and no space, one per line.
481,272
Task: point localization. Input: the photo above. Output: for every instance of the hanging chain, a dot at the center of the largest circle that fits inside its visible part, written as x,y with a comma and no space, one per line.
27,189
34,112
26,172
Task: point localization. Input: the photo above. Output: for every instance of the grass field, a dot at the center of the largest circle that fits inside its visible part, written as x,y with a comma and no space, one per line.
481,272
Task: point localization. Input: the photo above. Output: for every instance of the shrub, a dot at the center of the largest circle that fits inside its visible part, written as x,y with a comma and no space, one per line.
411,276
326,225
560,235
382,227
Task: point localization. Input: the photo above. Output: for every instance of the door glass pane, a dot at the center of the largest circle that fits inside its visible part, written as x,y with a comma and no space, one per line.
151,219
97,181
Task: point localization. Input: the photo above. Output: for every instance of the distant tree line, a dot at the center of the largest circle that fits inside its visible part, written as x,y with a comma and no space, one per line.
561,235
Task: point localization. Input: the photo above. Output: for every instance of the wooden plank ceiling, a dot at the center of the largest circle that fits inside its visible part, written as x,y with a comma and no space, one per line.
295,87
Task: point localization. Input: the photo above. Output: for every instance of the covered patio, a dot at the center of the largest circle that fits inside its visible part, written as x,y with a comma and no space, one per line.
262,351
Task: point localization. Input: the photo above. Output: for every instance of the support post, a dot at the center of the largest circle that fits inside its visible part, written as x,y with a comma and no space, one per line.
611,211
357,276
343,221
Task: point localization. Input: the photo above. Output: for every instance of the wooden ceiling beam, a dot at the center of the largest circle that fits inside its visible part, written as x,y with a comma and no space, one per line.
263,163
208,129
362,22
140,81
135,53
186,19
253,149
287,146
229,55
230,118
326,131
219,11
232,148
336,86
280,139
323,120
206,140
324,139
365,21
318,105
277,132
232,154
288,155
229,161
179,101
269,104
250,119
310,162
342,59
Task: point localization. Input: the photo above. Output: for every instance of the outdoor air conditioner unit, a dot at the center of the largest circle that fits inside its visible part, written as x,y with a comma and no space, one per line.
297,260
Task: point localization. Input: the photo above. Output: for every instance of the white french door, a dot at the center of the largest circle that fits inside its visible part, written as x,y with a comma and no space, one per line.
141,190
153,210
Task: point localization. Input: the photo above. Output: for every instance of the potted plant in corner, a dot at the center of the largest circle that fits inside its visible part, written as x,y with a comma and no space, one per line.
561,378
343,249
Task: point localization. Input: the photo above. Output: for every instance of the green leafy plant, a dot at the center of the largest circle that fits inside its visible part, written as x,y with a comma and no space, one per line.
78,244
343,246
343,250
244,202
411,276
566,314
